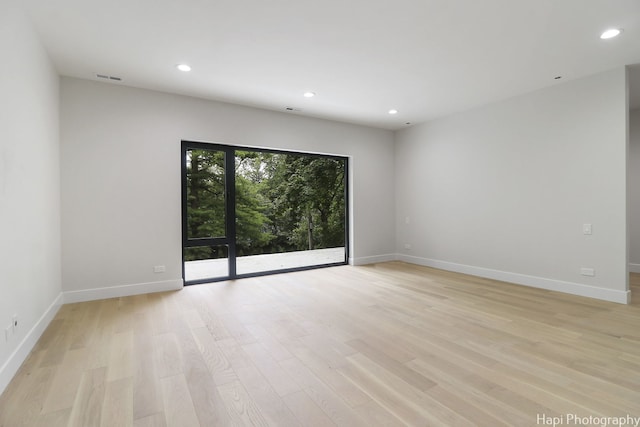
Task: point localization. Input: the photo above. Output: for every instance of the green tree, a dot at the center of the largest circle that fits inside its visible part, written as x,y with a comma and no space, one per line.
308,193
284,202
252,225
205,199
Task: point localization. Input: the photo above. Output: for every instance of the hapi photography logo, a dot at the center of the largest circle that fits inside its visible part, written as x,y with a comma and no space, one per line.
591,420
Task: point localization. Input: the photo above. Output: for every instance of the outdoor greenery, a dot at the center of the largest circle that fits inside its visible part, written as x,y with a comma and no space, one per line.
284,202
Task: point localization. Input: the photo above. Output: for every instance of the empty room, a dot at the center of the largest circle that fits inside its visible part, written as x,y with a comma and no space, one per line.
295,213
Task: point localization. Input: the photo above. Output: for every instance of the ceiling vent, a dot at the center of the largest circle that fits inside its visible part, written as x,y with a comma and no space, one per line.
106,77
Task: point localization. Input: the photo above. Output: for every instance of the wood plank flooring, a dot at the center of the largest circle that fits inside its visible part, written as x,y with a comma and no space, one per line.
390,344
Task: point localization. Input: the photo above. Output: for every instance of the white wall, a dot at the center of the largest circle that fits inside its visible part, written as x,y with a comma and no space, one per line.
29,189
503,191
121,179
634,190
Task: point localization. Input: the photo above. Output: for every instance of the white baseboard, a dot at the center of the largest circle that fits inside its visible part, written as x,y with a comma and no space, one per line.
622,297
634,268
122,291
11,366
373,259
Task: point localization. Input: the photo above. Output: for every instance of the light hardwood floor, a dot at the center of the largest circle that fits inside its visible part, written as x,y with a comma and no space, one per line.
388,344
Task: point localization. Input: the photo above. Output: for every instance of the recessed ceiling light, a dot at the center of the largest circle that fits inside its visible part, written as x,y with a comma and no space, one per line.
183,67
309,94
393,111
611,33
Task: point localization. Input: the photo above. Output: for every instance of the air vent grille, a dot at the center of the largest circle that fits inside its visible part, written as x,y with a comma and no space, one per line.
107,77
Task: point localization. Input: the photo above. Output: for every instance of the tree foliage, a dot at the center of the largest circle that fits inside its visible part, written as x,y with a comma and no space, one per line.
284,202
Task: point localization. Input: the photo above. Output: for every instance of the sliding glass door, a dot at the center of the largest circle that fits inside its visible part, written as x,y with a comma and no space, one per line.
248,212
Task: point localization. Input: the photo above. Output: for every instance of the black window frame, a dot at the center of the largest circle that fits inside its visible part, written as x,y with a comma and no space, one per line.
230,196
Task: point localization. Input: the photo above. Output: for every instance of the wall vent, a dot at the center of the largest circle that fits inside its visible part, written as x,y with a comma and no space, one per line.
107,77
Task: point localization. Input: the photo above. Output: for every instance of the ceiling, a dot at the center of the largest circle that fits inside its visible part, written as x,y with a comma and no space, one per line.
425,58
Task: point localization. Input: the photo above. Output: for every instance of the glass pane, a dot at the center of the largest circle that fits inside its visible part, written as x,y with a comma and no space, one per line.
206,199
206,262
290,211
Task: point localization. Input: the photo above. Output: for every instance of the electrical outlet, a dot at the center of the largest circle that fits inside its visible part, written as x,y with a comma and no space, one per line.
7,333
407,246
159,269
587,272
